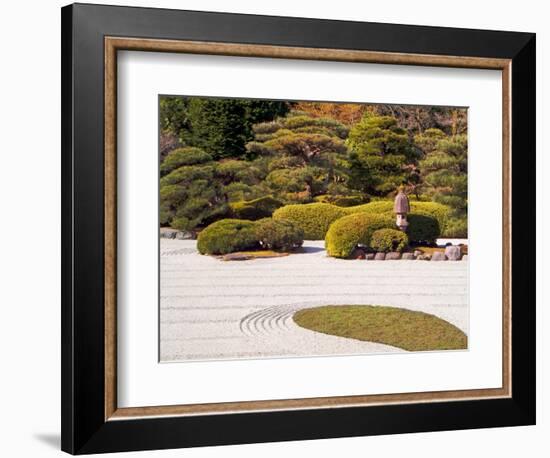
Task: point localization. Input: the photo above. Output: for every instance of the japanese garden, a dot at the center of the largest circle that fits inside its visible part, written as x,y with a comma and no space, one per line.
305,228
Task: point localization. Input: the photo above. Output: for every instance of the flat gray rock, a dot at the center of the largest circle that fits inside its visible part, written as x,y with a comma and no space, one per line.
453,253
379,256
369,256
184,235
438,256
393,256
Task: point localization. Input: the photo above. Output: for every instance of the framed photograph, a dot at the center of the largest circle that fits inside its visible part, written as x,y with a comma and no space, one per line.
282,228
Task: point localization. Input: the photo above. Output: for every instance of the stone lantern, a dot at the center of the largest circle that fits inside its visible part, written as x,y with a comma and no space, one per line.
401,208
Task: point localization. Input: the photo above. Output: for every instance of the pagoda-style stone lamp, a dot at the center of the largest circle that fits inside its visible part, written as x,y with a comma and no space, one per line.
401,208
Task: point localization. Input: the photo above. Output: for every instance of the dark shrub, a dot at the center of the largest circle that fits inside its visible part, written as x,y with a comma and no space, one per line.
314,219
279,234
255,209
388,240
347,201
422,228
227,236
348,232
183,156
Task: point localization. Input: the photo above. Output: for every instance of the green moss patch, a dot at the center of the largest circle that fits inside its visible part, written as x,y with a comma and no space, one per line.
401,328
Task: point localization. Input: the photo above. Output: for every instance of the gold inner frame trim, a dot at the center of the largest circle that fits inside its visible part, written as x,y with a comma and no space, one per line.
114,44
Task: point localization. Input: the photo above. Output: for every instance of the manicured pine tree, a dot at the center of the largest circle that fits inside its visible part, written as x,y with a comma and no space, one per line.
444,172
306,155
381,155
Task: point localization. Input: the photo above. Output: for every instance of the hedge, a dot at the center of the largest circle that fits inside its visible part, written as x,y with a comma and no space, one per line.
255,209
314,219
346,233
279,234
341,201
388,240
227,236
439,211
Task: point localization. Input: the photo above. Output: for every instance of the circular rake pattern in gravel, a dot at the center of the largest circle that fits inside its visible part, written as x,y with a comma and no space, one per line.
269,320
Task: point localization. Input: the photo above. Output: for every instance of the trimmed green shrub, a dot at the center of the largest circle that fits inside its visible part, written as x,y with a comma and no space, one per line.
255,209
438,211
314,219
279,234
388,240
422,228
183,156
227,236
341,201
348,201
346,233
379,206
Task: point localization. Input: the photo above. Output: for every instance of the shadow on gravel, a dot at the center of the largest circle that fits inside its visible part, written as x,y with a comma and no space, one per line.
310,249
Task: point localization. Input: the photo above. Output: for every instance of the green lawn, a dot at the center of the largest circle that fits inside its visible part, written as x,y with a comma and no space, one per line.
406,329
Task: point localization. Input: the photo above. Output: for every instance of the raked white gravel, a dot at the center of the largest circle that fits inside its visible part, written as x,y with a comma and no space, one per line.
213,309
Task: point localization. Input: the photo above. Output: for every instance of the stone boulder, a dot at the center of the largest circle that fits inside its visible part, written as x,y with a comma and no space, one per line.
379,256
465,257
184,235
369,256
408,256
438,256
358,253
393,256
453,253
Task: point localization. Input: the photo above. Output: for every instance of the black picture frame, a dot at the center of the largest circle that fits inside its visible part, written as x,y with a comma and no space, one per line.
84,427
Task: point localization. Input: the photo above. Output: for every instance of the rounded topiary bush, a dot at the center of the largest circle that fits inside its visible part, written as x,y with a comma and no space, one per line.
255,209
347,201
183,156
348,232
388,240
279,234
379,206
227,236
438,211
422,228
314,219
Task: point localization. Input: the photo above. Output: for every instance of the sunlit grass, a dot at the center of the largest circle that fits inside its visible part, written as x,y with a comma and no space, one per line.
401,328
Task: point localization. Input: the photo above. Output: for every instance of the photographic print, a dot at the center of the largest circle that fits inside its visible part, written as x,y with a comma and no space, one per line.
306,228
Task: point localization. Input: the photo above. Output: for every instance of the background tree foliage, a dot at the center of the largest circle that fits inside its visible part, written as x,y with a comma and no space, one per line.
221,127
223,157
380,153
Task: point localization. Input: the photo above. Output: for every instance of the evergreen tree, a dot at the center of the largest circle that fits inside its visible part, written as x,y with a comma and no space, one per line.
444,171
381,153
221,127
306,155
